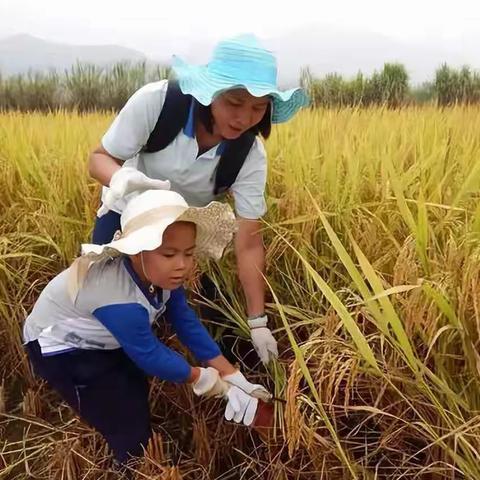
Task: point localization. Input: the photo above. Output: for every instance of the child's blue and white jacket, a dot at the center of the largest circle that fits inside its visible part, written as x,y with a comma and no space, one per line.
114,310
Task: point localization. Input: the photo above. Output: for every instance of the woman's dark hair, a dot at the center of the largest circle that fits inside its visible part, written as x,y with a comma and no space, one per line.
263,127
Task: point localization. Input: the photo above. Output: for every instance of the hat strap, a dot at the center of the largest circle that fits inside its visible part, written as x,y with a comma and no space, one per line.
151,288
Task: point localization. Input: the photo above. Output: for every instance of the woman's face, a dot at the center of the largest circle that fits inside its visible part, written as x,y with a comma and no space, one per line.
169,265
236,111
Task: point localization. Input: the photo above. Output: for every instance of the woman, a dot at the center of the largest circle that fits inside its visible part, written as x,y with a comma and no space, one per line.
227,104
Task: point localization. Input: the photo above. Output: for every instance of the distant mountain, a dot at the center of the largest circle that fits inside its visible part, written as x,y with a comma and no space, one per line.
21,53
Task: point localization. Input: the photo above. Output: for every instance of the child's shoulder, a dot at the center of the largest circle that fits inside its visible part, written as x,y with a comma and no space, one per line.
103,271
106,281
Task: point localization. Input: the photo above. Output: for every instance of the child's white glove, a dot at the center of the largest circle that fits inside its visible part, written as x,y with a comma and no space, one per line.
263,341
253,389
210,384
127,180
241,395
241,407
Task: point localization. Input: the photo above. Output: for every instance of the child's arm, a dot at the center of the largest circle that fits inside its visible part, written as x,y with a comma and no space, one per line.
129,324
192,333
221,364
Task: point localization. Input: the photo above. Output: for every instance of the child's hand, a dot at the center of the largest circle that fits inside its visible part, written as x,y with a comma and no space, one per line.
209,383
241,406
254,389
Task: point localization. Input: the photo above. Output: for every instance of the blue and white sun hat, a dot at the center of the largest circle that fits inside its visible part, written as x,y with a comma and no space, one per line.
239,62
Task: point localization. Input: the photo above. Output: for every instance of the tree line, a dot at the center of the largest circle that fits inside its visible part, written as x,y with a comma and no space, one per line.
87,87
391,87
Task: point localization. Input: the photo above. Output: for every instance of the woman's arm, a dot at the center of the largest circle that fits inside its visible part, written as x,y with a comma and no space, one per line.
250,254
102,165
128,132
250,265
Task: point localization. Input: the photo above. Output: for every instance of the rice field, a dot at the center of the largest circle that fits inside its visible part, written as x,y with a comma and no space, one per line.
373,257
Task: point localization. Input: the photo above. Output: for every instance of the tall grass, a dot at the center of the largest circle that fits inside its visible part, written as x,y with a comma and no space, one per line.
373,256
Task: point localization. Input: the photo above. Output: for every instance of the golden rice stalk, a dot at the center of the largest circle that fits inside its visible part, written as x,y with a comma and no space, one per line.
3,400
32,403
293,416
201,440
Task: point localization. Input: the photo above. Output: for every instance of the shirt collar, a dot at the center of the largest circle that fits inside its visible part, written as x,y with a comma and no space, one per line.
189,128
221,147
155,299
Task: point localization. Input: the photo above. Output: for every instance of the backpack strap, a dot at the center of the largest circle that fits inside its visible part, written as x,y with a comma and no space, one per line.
231,161
171,120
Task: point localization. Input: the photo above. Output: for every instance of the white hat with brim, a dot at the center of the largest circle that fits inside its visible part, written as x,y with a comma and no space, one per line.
143,223
147,216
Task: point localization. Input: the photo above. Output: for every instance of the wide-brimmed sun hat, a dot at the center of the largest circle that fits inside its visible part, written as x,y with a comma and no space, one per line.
239,62
144,221
148,215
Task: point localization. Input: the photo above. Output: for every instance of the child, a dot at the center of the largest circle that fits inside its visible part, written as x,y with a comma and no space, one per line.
89,334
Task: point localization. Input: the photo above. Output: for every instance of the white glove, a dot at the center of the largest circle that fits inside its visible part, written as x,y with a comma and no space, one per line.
127,180
263,341
240,406
253,389
210,384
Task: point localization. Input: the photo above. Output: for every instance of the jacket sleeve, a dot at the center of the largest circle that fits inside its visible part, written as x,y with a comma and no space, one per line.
189,328
129,324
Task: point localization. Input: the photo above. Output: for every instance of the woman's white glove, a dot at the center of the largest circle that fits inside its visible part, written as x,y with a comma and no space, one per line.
127,180
263,341
210,384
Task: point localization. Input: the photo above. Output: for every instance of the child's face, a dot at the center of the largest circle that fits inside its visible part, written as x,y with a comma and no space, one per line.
169,265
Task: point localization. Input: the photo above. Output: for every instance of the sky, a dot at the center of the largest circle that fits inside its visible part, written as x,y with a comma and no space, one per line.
161,28
142,27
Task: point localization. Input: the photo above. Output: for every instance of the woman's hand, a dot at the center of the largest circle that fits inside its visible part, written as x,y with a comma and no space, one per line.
263,341
127,180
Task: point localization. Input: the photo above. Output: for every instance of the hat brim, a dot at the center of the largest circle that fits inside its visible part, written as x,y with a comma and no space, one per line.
215,228
144,239
197,81
216,225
